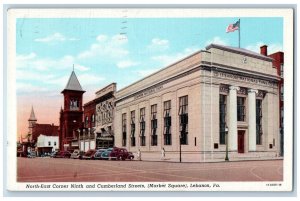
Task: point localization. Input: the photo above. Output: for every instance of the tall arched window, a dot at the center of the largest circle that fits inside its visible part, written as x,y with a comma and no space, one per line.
86,121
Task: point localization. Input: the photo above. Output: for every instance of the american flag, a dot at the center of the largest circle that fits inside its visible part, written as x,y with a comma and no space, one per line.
233,27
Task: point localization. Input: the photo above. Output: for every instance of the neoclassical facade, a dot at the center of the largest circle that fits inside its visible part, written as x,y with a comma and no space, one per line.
215,97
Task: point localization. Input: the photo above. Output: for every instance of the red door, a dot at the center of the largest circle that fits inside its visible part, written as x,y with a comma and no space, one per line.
241,141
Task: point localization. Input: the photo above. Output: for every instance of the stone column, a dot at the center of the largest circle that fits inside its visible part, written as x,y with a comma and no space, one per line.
252,119
232,124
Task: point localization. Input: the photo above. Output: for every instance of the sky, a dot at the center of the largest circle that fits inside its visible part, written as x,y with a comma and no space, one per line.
121,50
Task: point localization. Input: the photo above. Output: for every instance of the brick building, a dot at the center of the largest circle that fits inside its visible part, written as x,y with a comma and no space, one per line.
87,138
36,129
278,63
71,115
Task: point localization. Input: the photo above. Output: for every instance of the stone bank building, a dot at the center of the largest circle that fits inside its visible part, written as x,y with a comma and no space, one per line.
195,102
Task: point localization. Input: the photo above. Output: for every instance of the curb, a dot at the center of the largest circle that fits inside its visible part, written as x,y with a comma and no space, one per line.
244,160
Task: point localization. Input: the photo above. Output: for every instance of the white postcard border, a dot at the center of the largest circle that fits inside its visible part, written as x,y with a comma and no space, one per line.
286,14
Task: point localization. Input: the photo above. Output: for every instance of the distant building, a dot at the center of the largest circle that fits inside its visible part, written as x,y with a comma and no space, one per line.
105,113
87,135
71,114
278,63
98,128
34,131
47,144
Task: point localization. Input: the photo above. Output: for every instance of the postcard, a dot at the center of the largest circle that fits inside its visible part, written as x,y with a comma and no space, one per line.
149,99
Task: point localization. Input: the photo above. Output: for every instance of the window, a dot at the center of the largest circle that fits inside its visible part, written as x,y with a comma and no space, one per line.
153,125
132,128
74,104
54,143
183,119
142,127
240,108
281,116
167,123
259,131
281,70
49,143
86,121
281,92
124,136
222,112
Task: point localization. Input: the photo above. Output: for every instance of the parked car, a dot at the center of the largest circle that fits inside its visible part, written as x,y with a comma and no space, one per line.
89,154
45,154
121,154
54,154
75,154
61,154
31,154
65,154
98,154
106,154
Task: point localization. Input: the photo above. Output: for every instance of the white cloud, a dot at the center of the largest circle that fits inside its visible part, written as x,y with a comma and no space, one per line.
21,59
29,88
31,55
81,68
89,79
126,64
32,62
216,40
85,79
56,37
158,44
33,75
60,81
107,48
101,38
272,48
172,58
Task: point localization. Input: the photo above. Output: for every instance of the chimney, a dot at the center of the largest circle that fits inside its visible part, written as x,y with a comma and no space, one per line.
264,50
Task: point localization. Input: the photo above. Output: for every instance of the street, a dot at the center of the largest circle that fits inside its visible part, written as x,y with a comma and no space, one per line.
74,170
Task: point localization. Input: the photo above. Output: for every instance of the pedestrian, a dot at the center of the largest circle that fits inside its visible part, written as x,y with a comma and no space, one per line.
139,155
163,154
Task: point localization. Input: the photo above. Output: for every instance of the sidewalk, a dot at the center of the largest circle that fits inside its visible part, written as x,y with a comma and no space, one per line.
207,158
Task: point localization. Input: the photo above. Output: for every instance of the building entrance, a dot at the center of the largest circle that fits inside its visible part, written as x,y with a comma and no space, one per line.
241,141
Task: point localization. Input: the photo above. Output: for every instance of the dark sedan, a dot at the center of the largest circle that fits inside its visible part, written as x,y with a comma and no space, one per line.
62,154
121,154
89,154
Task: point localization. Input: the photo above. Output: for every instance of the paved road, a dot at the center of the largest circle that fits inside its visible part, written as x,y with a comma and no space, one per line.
73,170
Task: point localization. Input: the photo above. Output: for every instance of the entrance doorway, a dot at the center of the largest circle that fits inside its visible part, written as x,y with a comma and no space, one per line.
241,141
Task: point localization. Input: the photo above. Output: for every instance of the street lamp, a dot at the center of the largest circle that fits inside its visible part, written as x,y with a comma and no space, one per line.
180,148
79,142
226,134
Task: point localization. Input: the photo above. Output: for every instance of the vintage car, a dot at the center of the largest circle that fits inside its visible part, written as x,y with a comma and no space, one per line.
98,154
54,154
106,154
77,154
89,154
121,154
31,154
61,154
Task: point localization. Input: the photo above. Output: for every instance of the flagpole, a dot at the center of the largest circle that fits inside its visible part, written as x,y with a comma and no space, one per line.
239,33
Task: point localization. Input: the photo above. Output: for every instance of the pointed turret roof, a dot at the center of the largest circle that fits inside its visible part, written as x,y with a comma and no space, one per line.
32,115
73,83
